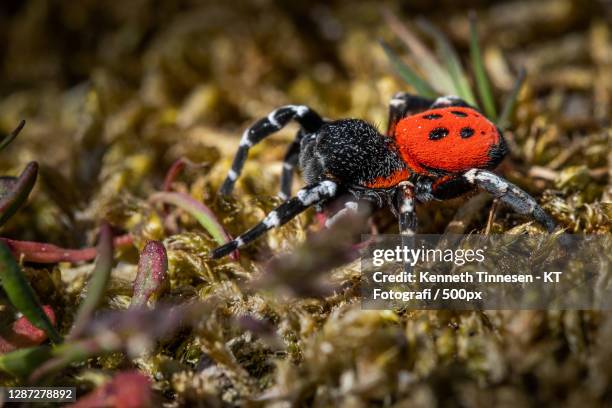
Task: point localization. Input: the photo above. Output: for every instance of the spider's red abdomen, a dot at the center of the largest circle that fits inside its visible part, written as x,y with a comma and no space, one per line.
452,139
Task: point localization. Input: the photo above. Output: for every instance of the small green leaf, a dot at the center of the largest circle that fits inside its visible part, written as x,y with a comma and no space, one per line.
19,191
20,363
408,75
453,64
21,294
199,211
11,136
482,80
504,118
98,281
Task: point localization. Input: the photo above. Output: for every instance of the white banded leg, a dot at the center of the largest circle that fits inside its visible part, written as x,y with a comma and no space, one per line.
306,197
277,119
405,207
449,100
406,214
511,195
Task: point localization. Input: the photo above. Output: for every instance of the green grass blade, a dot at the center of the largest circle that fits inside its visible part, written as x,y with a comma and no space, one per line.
16,191
21,294
11,136
453,64
199,211
482,80
504,118
436,74
98,281
408,75
20,363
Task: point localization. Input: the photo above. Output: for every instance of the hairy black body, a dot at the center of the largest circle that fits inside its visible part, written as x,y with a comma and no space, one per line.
339,150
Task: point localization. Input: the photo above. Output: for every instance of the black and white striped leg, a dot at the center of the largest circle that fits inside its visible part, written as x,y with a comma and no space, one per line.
306,197
511,195
290,161
449,100
405,206
404,104
306,117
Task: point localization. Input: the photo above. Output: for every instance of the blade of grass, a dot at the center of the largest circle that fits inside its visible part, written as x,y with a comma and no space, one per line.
98,281
482,79
21,188
453,64
21,294
407,74
504,118
11,136
74,352
20,363
436,74
199,211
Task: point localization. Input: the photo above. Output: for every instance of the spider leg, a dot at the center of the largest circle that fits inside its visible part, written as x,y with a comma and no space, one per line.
511,195
277,119
405,207
290,161
450,186
403,104
450,100
306,197
353,207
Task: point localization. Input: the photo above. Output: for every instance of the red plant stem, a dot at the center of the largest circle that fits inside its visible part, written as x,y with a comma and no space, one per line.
39,252
173,173
175,170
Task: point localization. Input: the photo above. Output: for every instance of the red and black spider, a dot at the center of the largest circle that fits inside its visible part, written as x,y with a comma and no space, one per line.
432,150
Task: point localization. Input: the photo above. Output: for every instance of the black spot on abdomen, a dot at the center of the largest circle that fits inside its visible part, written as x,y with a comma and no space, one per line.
432,116
438,133
466,132
459,114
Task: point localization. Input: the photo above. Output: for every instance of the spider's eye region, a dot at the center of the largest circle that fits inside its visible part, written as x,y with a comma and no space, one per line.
459,114
432,116
438,133
466,132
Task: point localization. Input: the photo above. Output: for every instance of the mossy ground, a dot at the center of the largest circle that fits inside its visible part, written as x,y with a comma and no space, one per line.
115,92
